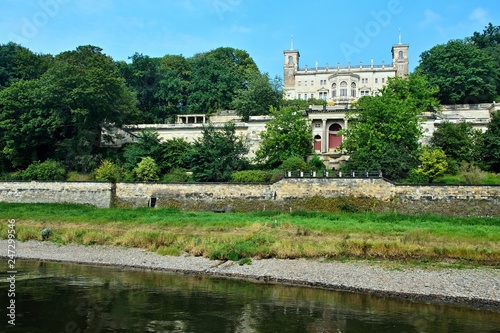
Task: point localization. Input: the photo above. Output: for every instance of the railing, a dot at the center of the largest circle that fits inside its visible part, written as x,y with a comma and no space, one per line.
334,68
334,174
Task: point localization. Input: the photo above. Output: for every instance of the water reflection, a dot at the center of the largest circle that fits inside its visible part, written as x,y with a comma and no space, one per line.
55,297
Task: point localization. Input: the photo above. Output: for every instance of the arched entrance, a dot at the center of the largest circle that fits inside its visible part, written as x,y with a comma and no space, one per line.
334,139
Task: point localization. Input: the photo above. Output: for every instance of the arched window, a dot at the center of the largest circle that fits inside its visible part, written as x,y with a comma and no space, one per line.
353,89
343,88
400,56
290,60
334,90
317,143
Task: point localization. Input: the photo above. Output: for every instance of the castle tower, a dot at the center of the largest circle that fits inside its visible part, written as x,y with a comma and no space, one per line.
291,66
400,58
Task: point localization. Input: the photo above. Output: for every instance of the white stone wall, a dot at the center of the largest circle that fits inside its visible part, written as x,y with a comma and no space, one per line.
92,193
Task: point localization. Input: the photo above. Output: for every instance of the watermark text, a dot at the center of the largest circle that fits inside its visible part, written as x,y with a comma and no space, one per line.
11,272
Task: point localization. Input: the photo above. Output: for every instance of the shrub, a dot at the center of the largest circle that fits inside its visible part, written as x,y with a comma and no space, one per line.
276,175
316,163
251,176
48,170
491,178
108,171
176,176
75,176
294,164
434,163
471,173
416,177
11,175
147,170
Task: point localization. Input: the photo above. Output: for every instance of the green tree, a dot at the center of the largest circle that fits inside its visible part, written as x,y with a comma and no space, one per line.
173,154
491,144
302,104
48,170
147,145
462,71
489,42
143,76
238,61
61,115
213,85
160,85
216,76
19,63
217,154
459,141
433,163
288,134
384,130
108,171
294,163
259,93
27,126
147,170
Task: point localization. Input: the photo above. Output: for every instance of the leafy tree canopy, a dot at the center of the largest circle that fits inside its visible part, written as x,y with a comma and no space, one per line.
384,130
217,154
287,135
491,143
459,141
463,72
433,163
257,95
19,63
61,114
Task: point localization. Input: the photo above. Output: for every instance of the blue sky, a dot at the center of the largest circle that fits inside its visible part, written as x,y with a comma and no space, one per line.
326,31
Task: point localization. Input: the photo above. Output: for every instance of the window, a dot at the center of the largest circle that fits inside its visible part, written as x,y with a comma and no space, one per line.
317,125
300,83
298,96
312,83
334,90
400,56
365,93
290,60
323,95
305,83
353,89
312,95
343,88
383,80
376,80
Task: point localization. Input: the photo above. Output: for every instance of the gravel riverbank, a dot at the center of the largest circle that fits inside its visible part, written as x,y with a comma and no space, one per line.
478,287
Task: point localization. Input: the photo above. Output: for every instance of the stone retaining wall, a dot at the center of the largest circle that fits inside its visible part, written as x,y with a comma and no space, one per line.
92,193
139,194
449,199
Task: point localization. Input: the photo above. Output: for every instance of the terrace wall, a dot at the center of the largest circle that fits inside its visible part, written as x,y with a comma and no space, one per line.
482,200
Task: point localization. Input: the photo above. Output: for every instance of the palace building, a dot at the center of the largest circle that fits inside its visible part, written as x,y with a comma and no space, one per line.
340,84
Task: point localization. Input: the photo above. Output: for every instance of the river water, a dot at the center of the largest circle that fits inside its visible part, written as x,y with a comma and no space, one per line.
56,297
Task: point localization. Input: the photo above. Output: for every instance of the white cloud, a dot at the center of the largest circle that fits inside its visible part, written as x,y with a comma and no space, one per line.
480,15
431,18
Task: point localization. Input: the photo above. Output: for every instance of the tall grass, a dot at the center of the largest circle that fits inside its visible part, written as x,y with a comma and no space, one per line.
264,234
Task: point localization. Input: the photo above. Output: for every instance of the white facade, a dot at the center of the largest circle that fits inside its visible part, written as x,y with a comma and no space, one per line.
340,84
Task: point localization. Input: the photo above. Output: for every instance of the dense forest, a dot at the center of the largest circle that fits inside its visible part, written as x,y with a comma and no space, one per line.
53,109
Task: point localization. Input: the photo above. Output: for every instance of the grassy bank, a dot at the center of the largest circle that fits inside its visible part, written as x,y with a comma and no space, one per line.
235,236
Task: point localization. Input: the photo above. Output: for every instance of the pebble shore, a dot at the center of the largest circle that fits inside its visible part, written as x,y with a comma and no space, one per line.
478,287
